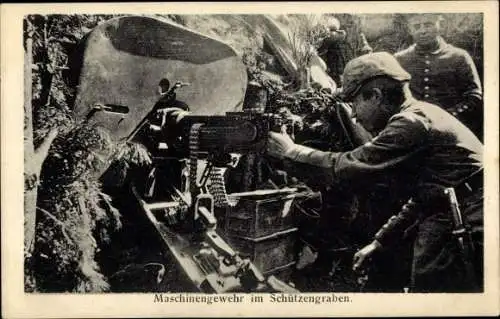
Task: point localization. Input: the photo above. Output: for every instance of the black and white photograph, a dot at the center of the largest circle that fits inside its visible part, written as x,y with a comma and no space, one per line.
292,158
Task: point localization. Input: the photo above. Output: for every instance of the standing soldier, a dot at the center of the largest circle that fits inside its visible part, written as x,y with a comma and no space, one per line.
425,149
333,50
442,74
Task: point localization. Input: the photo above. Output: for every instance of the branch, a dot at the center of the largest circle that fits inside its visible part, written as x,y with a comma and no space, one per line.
52,25
58,222
36,66
34,164
67,39
114,212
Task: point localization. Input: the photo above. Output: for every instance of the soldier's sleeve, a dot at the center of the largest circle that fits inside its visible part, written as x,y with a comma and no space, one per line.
399,54
355,131
403,57
404,138
395,227
468,79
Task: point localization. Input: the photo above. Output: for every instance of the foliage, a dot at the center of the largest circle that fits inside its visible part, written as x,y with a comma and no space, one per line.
313,28
257,62
73,215
130,159
306,36
315,107
318,112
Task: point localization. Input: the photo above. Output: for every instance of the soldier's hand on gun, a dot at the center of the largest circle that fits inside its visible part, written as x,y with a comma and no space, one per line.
364,253
279,144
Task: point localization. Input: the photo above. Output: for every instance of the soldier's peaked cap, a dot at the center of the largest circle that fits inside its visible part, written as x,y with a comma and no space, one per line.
363,68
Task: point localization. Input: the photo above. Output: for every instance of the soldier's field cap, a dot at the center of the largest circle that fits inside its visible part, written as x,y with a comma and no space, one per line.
366,67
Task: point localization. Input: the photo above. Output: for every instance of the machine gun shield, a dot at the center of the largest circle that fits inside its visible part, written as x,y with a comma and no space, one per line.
141,51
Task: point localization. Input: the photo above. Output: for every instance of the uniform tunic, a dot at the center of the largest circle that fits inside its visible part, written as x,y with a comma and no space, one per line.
426,150
446,77
335,55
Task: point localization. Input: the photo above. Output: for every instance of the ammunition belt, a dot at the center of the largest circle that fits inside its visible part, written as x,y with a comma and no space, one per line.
194,142
217,186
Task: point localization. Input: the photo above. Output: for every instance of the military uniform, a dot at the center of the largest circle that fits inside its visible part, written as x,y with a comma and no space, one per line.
335,54
425,150
446,77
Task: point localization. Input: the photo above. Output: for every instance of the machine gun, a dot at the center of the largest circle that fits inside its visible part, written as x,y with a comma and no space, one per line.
180,202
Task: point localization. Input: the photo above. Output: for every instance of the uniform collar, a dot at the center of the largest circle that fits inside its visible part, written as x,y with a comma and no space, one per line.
442,44
407,103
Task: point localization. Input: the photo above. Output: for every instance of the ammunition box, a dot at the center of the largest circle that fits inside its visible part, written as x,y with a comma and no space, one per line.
271,254
259,217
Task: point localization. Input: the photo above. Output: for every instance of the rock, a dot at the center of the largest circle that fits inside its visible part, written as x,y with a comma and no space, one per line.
125,58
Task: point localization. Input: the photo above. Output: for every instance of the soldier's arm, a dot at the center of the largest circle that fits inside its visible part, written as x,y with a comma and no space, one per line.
470,83
395,227
404,138
355,131
388,234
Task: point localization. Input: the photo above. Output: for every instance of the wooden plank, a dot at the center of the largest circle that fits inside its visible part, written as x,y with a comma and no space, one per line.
178,247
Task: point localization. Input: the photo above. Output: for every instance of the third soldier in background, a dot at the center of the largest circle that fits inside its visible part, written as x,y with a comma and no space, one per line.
442,74
333,50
